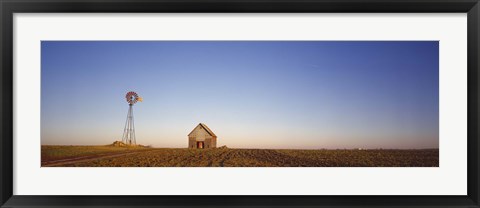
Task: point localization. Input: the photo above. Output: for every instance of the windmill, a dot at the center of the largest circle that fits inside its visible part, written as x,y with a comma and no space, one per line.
129,130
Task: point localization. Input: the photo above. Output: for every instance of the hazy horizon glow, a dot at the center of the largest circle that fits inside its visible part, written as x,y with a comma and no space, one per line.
252,94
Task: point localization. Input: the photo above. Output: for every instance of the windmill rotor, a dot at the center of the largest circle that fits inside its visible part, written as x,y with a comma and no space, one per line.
132,98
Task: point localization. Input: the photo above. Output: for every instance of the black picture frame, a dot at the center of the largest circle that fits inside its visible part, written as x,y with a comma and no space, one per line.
9,7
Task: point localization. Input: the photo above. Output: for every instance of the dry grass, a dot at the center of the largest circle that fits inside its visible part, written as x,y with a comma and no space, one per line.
222,157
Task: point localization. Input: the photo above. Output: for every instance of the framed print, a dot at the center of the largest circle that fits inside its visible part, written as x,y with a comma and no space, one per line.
246,104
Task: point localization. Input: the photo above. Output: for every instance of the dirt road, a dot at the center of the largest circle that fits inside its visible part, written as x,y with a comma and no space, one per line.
63,162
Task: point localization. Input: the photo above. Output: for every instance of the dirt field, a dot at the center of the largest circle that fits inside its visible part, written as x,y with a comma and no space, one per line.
105,156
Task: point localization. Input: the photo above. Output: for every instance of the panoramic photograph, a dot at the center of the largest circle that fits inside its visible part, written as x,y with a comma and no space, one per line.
239,104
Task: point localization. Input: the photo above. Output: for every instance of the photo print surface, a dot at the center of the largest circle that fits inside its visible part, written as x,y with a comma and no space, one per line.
239,104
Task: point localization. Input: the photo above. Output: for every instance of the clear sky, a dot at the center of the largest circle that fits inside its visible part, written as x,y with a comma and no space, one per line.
252,94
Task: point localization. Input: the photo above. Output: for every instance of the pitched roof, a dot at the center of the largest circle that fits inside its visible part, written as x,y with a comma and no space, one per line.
209,131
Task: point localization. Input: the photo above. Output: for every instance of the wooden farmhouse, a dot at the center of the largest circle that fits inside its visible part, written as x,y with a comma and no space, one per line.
202,137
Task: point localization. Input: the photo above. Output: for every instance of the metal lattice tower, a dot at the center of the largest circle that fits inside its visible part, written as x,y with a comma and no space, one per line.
129,129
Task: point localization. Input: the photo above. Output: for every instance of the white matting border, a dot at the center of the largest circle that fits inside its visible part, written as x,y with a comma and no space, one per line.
448,179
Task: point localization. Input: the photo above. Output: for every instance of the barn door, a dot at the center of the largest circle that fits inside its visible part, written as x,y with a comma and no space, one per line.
200,145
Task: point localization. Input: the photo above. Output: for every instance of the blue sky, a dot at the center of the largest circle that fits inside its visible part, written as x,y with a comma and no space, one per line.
252,94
